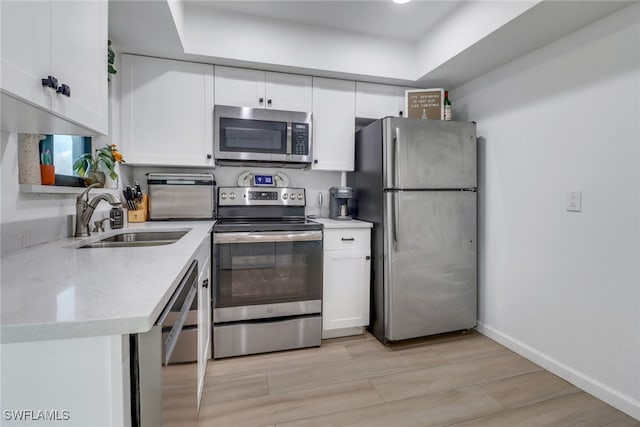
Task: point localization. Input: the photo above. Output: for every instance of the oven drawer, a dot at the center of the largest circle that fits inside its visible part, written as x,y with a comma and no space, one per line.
261,337
346,239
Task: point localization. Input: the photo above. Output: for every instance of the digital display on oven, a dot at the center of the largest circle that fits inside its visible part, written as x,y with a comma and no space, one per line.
263,195
263,180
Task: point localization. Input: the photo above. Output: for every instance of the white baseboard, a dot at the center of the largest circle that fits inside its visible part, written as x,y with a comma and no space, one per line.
603,392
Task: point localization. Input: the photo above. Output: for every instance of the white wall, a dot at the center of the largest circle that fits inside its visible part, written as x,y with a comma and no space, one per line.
302,47
17,206
312,181
467,24
559,287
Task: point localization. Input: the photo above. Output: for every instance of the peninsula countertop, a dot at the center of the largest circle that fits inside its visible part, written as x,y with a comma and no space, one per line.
56,291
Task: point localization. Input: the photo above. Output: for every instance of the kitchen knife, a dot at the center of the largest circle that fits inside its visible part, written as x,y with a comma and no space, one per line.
138,192
128,194
126,198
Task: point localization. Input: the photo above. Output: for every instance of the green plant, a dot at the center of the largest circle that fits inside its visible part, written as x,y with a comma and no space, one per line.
103,158
111,60
45,158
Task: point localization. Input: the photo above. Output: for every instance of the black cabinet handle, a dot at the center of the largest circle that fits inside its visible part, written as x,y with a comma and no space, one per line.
209,156
64,90
261,100
315,161
348,239
51,82
367,257
269,101
205,283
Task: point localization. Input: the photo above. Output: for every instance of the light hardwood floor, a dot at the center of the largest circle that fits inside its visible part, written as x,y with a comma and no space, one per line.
453,380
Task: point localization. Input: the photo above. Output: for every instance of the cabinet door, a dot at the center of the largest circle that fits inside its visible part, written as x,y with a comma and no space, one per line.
166,112
25,50
239,87
79,60
289,92
204,314
346,289
333,124
375,101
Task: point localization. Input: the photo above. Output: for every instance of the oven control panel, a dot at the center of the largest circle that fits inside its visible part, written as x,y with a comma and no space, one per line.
260,196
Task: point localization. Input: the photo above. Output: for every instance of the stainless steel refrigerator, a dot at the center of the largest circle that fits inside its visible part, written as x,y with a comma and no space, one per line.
416,181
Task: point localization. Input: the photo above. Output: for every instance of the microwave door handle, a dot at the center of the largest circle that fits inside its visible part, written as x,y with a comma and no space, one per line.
289,137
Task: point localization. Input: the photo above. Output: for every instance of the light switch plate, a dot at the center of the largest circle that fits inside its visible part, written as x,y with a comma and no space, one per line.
574,201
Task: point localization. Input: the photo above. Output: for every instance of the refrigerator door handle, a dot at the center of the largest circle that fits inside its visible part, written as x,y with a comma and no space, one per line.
394,220
396,155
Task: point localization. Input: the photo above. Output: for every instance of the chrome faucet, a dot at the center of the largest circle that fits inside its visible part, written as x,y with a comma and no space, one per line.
85,208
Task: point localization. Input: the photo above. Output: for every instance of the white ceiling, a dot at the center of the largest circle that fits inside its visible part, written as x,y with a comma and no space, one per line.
425,43
378,17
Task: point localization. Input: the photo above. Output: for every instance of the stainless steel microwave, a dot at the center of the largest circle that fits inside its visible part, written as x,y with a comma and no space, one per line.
259,136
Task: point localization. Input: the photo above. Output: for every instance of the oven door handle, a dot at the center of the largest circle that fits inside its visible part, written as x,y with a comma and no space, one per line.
267,237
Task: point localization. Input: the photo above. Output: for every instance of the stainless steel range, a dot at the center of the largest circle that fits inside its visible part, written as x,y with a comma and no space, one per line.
268,272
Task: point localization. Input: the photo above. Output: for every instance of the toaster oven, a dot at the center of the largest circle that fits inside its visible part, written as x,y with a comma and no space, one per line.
174,196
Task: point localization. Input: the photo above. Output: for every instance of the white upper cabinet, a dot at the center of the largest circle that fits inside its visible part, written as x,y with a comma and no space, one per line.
64,40
25,50
333,124
242,87
80,61
239,87
288,92
166,111
375,101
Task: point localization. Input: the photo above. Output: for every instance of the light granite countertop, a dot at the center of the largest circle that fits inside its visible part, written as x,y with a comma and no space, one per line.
329,223
55,291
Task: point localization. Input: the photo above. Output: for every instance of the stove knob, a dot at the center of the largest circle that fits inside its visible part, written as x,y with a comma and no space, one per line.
293,196
223,196
300,196
285,196
232,196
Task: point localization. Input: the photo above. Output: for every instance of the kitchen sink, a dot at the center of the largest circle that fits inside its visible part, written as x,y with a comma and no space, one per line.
131,239
141,236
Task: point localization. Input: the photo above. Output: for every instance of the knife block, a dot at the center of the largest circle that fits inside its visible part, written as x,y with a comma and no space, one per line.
140,214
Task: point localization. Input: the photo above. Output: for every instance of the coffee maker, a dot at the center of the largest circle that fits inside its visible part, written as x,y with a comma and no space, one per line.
339,198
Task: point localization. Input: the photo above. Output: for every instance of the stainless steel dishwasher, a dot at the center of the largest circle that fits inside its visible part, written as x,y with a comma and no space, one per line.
148,351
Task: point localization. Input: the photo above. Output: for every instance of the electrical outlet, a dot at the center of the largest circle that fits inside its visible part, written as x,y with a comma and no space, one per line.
574,201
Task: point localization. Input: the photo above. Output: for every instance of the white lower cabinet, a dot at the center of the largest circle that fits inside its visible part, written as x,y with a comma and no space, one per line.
346,282
204,312
67,382
87,381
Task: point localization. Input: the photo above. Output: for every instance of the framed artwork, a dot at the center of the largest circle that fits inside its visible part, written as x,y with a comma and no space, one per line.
425,103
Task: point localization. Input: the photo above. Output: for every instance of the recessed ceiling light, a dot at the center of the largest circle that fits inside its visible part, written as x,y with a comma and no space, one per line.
401,1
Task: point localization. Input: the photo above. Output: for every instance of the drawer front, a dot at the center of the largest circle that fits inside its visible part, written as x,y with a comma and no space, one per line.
240,338
346,239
